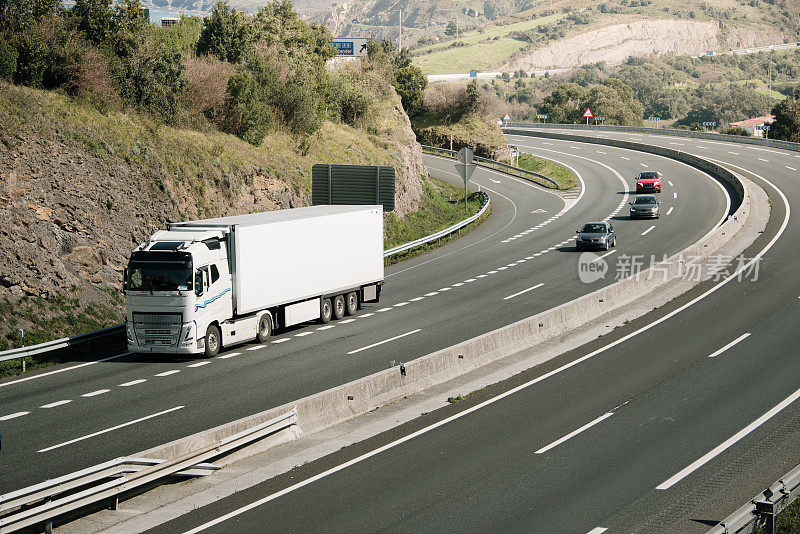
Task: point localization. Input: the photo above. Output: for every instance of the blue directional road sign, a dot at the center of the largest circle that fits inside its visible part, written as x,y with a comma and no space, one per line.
473,74
350,46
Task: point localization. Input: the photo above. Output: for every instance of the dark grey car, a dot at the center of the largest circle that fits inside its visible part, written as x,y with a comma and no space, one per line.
645,206
596,235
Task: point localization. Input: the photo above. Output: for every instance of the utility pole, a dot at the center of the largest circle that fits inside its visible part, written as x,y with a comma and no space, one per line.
400,39
456,27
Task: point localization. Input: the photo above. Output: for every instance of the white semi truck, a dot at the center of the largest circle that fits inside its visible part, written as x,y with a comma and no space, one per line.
202,285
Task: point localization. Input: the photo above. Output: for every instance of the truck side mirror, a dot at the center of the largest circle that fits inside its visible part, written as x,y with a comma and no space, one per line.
124,280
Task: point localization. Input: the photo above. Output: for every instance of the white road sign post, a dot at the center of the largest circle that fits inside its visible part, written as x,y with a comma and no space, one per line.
465,168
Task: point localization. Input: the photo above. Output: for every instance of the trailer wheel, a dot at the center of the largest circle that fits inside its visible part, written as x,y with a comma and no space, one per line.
264,328
325,311
352,303
339,307
213,341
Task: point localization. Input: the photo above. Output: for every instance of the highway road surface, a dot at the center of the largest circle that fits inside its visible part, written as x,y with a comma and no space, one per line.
665,425
521,261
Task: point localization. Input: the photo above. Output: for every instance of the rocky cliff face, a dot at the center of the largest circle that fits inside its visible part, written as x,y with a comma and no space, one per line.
79,190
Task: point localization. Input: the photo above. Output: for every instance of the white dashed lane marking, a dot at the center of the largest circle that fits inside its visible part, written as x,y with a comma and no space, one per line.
648,230
132,383
353,320
326,327
231,355
199,364
57,403
98,392
165,373
670,210
284,340
303,334
13,416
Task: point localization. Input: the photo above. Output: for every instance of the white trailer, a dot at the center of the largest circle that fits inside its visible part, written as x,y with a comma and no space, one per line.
203,284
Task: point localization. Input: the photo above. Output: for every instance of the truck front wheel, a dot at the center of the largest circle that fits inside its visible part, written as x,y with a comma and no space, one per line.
213,341
264,328
325,311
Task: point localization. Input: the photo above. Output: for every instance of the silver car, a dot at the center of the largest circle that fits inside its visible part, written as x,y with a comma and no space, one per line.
596,235
645,206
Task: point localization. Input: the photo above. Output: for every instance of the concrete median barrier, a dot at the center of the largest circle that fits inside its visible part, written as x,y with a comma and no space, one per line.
344,402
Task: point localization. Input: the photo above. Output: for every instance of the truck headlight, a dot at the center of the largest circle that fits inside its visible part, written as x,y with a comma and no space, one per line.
130,334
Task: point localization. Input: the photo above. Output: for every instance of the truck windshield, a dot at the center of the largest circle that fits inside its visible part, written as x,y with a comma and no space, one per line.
157,274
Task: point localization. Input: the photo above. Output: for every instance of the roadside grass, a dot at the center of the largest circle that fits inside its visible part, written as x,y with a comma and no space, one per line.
58,314
788,521
442,205
552,170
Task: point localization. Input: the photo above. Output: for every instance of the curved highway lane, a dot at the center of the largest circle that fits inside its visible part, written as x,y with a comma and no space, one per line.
665,425
461,290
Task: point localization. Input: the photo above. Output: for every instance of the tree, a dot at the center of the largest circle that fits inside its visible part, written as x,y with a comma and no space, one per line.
563,105
226,33
451,29
94,19
19,15
787,119
410,84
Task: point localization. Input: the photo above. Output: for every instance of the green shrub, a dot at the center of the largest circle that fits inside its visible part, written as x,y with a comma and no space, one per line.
8,57
31,60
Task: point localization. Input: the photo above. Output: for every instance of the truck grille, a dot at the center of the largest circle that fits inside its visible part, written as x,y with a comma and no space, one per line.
157,329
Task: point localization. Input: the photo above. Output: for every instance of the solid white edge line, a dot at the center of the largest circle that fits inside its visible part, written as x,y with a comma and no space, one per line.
109,429
385,341
694,466
513,390
63,370
698,463
574,433
729,345
523,291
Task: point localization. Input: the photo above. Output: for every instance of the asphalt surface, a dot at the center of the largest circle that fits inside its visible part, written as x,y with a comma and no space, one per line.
57,423
667,425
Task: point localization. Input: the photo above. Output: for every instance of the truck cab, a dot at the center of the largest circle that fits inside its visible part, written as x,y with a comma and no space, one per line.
175,285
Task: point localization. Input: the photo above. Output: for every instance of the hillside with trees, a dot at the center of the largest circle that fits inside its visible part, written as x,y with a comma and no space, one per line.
111,127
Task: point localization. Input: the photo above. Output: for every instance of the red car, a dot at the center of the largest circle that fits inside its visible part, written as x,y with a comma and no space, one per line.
648,182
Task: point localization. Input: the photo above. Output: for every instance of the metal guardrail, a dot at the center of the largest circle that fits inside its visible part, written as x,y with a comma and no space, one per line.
56,344
22,352
761,511
441,233
772,143
535,177
40,504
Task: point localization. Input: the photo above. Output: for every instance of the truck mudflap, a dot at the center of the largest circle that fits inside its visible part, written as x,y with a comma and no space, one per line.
371,292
